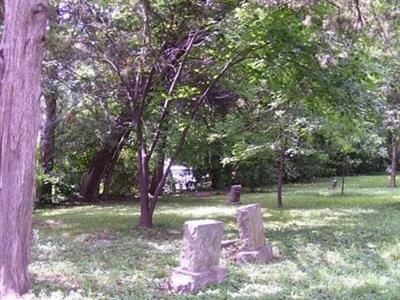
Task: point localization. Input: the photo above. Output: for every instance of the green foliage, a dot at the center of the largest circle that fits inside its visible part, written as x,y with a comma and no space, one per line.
303,79
124,181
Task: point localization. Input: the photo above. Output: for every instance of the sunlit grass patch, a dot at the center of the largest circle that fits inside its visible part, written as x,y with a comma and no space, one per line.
331,246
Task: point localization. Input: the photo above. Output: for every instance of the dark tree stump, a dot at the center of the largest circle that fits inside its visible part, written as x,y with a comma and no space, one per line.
234,195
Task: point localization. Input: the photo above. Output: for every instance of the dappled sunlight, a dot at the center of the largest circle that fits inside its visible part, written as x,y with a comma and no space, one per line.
328,213
334,258
201,211
351,282
327,246
162,248
257,291
391,252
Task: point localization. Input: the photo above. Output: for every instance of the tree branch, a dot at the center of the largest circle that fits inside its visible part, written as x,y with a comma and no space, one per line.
170,91
185,131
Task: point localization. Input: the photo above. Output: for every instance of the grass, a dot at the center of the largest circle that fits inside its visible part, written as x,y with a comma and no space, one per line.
330,246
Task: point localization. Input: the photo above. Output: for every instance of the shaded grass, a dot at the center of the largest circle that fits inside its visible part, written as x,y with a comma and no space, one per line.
331,246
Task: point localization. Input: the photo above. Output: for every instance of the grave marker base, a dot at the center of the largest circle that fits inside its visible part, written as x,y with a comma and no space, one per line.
262,255
183,281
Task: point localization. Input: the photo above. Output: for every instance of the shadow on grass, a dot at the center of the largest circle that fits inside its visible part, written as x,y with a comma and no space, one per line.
331,248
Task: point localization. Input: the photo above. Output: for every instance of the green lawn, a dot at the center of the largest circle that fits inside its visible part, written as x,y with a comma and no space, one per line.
329,246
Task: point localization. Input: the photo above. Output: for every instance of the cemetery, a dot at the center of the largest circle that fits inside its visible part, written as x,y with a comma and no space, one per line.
199,149
323,245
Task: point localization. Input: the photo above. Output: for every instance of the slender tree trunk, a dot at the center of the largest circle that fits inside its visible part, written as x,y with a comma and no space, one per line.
281,170
159,168
158,172
48,143
146,215
393,170
148,205
342,185
21,60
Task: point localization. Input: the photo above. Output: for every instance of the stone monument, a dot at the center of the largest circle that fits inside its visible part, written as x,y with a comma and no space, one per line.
252,238
234,194
199,263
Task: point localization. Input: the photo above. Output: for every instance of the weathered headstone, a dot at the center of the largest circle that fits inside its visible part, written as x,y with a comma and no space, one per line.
234,195
199,264
252,238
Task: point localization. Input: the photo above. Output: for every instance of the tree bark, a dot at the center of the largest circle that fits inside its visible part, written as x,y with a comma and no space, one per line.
22,55
148,205
101,161
393,169
48,143
109,172
159,168
92,179
157,172
281,170
146,214
342,192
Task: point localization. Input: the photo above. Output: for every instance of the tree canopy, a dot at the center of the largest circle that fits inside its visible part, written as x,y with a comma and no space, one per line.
263,87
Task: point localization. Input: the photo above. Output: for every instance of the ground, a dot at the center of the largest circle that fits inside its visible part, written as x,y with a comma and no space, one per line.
328,246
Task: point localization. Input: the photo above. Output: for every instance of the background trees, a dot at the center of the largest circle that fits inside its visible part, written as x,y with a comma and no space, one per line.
266,89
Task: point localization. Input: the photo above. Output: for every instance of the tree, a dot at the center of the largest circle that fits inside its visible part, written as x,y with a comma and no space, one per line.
393,126
296,79
22,54
148,83
47,147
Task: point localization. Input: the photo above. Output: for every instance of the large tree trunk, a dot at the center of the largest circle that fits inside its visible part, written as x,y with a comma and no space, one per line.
48,143
100,162
92,179
109,173
393,169
22,55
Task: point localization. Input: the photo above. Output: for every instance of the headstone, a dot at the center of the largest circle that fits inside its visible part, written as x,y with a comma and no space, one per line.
252,237
234,195
199,263
334,183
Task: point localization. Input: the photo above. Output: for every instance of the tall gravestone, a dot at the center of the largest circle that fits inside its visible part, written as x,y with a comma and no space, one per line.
199,263
253,247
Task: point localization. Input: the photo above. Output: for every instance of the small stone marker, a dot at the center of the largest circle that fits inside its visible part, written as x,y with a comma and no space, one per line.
199,264
252,237
234,195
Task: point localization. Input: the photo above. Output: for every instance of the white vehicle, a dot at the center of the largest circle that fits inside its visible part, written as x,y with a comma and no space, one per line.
181,178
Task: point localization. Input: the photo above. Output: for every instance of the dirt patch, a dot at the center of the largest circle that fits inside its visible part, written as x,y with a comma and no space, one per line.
55,224
101,239
57,280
